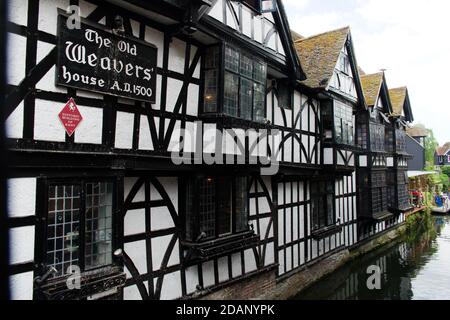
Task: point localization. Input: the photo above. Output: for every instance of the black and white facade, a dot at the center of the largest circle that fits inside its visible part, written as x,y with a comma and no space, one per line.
169,193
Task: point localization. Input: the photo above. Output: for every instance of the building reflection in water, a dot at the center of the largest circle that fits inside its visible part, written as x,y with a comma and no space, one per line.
400,264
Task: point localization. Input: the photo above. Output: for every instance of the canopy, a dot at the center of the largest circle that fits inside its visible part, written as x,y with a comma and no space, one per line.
412,174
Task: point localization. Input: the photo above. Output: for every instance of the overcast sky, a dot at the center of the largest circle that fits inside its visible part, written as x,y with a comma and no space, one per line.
408,38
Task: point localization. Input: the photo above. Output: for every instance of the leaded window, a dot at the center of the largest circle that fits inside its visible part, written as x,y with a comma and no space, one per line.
379,192
79,226
400,140
322,204
215,207
402,190
212,63
362,135
389,139
377,135
244,84
343,123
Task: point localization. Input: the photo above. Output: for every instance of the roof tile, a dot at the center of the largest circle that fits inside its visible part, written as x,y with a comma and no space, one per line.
319,55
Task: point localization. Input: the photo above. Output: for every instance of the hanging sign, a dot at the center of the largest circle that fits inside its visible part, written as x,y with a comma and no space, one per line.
70,117
91,58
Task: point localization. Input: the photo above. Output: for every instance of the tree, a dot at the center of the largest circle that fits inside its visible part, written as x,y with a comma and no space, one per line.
430,147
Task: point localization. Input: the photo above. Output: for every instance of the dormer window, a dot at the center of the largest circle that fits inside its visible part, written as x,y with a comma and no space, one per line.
244,83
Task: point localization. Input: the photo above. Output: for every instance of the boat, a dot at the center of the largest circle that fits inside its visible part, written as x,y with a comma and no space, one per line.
442,205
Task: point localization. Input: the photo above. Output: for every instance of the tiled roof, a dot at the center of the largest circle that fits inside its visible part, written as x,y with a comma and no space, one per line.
442,150
418,130
371,84
398,96
319,55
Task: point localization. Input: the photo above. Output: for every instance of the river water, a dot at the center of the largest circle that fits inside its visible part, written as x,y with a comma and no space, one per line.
417,267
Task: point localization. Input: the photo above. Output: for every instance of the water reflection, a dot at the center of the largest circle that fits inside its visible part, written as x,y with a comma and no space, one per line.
414,268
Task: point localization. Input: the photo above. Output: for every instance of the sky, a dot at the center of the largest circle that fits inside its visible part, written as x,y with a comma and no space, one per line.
410,39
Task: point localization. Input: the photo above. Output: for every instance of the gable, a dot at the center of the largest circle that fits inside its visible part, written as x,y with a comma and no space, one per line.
270,30
319,54
343,79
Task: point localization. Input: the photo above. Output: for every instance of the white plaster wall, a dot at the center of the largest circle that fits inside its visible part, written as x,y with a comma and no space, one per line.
159,248
191,279
21,245
173,92
328,156
171,288
124,130
250,262
177,54
222,265
145,137
47,125
137,253
21,286
236,265
134,222
21,197
132,292
161,219
48,14
14,123
91,128
193,100
15,58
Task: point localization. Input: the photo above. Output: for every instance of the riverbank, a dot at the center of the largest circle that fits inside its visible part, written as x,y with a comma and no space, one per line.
287,288
414,268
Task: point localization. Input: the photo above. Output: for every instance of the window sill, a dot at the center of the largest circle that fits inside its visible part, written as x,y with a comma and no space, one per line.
91,283
326,232
221,246
382,216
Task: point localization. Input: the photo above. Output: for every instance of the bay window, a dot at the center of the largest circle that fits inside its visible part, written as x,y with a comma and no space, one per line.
377,135
379,192
400,140
402,190
322,204
343,123
216,207
244,83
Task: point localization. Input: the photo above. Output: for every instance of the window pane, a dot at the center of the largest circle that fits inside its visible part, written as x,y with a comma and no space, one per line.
284,96
224,205
63,227
246,99
338,129
230,98
210,96
322,204
259,102
190,191
246,66
98,224
212,58
241,204
231,59
207,207
259,72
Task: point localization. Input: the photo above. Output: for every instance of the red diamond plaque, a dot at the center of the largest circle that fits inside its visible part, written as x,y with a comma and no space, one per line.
70,117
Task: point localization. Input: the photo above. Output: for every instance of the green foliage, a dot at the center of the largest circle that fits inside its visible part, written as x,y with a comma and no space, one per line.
431,144
446,170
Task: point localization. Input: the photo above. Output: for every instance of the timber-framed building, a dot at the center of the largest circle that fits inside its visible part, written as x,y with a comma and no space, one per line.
158,186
